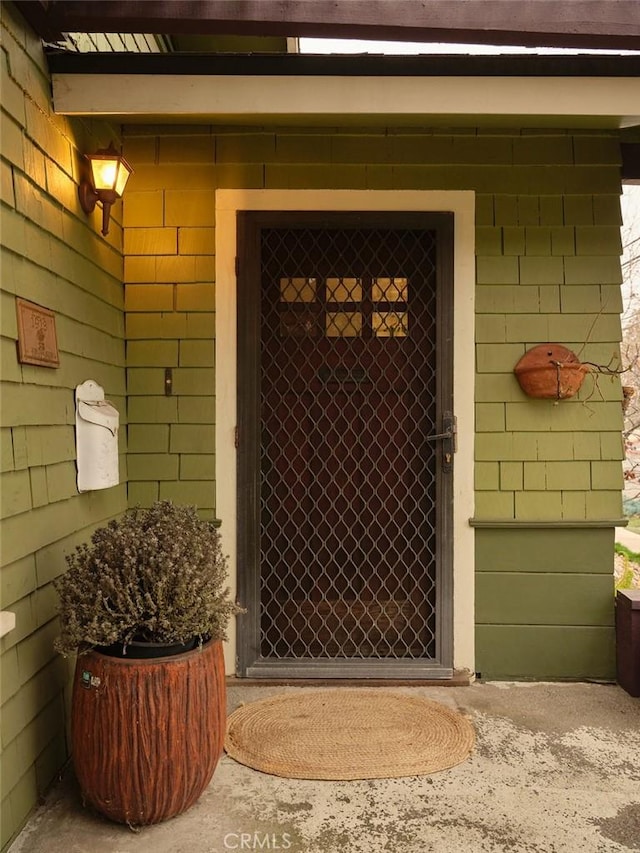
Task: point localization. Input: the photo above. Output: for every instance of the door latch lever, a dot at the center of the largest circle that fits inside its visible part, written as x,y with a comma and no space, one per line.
440,435
449,435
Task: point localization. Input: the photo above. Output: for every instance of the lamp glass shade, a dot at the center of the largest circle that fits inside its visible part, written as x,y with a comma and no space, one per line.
109,172
122,176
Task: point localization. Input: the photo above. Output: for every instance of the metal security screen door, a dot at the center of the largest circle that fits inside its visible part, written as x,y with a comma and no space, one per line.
345,442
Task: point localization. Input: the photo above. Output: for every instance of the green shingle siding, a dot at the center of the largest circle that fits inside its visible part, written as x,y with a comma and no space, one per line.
152,466
150,353
200,493
535,211
148,438
196,409
547,217
196,354
54,256
487,476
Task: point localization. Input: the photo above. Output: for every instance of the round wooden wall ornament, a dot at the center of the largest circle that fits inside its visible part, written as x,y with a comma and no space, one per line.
550,371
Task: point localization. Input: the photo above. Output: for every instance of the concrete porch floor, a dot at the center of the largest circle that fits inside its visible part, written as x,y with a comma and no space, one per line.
556,769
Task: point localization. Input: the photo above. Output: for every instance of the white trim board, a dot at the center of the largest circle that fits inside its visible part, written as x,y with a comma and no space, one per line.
546,101
462,205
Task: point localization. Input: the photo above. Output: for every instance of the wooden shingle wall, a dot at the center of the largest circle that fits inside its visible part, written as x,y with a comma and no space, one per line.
547,244
53,255
547,247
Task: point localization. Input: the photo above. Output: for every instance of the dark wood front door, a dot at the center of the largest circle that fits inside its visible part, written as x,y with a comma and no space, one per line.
345,384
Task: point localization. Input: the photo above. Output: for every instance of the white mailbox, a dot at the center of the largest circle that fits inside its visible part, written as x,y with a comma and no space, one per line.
97,422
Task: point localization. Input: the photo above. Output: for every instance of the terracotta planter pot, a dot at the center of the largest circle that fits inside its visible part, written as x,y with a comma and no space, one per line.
550,371
147,734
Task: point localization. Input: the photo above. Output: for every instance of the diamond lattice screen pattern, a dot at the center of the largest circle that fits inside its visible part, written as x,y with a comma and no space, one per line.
348,538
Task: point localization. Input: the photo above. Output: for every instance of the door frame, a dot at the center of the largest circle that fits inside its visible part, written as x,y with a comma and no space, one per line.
462,205
250,661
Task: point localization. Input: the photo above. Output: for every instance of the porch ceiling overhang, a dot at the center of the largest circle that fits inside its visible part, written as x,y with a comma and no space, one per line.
601,92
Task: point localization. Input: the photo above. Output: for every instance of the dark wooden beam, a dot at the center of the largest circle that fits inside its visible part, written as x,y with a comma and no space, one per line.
567,23
630,162
372,65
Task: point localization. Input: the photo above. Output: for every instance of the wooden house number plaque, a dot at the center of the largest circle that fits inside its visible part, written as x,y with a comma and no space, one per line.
37,341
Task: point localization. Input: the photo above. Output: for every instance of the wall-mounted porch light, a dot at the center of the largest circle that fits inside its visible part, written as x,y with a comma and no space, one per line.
109,175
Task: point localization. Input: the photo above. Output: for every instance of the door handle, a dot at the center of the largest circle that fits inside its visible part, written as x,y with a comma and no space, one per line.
449,436
440,435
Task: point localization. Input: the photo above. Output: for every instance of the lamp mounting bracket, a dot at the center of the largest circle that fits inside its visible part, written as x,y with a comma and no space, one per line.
88,197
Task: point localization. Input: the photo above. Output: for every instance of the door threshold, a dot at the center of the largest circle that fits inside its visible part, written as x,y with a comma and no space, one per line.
459,679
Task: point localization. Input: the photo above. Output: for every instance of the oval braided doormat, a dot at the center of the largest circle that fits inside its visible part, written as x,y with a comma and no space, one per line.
347,734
